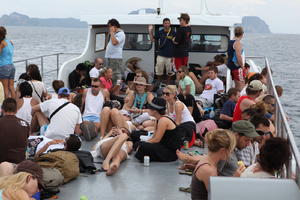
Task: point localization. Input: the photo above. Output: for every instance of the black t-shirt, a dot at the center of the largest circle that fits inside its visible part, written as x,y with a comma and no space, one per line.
13,139
183,38
165,43
74,80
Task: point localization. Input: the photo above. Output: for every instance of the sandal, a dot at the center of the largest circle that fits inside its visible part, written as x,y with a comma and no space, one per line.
185,189
186,172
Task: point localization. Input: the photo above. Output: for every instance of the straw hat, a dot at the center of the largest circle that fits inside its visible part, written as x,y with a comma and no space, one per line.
133,59
141,81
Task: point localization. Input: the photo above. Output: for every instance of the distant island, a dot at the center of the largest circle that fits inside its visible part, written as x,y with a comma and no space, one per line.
251,24
17,19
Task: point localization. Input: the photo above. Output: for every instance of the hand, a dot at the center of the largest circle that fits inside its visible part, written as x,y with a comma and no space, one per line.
55,142
150,27
239,171
112,30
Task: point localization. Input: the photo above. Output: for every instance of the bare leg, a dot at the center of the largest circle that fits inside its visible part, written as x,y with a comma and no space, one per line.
115,149
105,115
5,87
105,148
11,88
117,119
38,120
239,85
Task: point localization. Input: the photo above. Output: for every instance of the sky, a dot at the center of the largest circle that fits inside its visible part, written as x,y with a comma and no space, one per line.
278,14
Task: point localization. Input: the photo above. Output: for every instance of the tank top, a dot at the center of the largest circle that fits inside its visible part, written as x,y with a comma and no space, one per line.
1,194
185,115
171,139
93,104
237,113
6,56
140,102
232,59
198,189
25,111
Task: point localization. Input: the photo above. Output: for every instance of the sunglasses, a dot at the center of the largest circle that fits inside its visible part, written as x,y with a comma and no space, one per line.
261,133
101,64
166,93
94,86
179,71
139,84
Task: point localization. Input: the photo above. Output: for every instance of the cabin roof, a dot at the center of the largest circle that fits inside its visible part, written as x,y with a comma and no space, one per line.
144,19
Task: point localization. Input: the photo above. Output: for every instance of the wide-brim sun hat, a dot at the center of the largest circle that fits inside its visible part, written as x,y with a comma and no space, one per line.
141,81
133,59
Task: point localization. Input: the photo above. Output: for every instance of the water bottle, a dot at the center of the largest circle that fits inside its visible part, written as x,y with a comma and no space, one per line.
212,114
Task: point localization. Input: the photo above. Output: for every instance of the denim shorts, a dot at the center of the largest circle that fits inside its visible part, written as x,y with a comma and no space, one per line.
7,72
91,118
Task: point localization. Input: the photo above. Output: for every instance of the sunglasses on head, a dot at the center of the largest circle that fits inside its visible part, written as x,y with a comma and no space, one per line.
166,93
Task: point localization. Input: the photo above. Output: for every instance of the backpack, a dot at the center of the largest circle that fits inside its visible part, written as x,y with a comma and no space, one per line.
52,179
66,162
86,162
88,130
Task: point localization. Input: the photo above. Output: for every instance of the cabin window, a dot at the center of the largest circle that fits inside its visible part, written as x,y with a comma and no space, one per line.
209,43
100,41
138,42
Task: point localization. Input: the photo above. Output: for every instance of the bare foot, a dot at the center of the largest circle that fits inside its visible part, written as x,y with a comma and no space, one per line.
112,170
182,156
105,165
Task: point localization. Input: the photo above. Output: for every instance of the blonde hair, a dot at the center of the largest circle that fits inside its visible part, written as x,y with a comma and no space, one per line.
172,88
13,185
220,138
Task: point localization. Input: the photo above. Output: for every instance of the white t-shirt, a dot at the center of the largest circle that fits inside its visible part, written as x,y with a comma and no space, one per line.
222,70
211,88
248,173
115,51
94,72
38,88
64,121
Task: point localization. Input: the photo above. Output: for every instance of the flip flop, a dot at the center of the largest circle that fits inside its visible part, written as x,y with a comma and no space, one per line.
186,172
185,189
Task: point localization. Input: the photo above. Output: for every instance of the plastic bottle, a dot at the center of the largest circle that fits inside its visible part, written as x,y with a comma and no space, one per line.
212,114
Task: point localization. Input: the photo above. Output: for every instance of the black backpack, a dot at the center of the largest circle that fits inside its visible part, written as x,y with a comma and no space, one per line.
86,162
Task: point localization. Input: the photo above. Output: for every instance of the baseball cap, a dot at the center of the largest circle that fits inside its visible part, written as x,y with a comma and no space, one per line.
255,85
244,127
64,90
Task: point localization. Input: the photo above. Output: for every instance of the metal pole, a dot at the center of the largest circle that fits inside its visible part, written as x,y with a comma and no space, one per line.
42,66
57,64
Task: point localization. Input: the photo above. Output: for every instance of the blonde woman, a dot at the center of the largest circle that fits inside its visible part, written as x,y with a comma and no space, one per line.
18,186
220,144
179,112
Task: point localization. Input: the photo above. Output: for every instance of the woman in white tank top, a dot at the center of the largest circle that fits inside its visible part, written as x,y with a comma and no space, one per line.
175,108
25,102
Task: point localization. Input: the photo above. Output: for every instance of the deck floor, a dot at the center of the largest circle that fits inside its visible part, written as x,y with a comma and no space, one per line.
133,181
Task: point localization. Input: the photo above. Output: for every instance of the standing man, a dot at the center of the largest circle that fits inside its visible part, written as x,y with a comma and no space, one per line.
114,49
165,48
182,41
96,70
236,58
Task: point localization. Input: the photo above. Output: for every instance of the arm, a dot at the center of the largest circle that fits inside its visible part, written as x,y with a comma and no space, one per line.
1,46
46,146
187,89
178,111
160,131
226,117
106,95
36,108
128,101
246,103
150,30
77,129
238,49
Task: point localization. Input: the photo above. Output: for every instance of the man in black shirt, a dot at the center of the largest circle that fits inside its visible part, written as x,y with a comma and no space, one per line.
79,77
182,41
164,38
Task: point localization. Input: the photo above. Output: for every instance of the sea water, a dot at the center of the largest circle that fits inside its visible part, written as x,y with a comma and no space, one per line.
282,51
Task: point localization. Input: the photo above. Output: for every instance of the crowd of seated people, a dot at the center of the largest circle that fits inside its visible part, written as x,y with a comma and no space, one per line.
144,122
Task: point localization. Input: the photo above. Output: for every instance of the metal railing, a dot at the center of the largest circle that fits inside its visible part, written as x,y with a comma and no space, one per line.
42,63
282,128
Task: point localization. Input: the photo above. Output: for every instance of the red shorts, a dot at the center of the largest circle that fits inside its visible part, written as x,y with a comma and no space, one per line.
182,61
238,74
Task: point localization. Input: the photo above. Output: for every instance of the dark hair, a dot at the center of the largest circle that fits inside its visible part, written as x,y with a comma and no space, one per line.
166,19
247,65
279,90
2,33
249,111
73,143
57,84
238,31
252,92
158,104
274,154
213,68
264,71
114,22
34,72
256,120
185,17
232,92
9,105
25,77
219,58
25,89
80,67
268,98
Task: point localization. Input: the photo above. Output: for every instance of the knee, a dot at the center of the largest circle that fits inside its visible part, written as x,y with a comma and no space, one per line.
6,168
115,112
106,111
